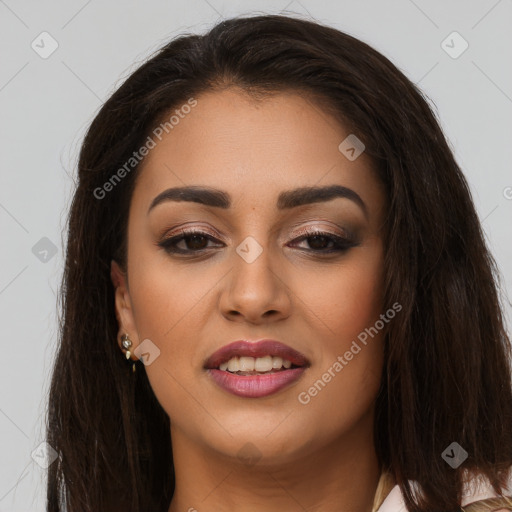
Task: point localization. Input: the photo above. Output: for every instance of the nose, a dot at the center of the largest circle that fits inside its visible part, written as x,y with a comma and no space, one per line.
254,290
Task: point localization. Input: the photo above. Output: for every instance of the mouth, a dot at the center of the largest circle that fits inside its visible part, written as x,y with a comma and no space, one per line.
255,369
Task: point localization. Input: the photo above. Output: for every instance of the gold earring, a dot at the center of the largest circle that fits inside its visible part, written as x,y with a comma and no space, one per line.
127,343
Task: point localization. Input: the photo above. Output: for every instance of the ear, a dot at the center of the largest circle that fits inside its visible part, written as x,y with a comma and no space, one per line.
123,306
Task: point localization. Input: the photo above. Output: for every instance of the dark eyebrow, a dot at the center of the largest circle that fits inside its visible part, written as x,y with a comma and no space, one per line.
286,200
308,195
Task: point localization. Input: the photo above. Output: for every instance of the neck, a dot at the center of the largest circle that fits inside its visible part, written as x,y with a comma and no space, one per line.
340,476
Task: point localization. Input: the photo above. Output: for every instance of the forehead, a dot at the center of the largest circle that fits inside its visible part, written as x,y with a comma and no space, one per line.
254,149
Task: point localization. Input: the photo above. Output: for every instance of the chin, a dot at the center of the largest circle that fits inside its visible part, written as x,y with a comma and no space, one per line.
259,445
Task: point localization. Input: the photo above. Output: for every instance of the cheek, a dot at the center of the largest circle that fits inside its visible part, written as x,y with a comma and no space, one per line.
163,314
347,298
171,306
167,297
348,303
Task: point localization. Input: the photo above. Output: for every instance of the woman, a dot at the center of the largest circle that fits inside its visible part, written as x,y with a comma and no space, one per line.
270,226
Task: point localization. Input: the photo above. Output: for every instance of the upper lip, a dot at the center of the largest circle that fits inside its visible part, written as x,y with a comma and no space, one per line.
259,348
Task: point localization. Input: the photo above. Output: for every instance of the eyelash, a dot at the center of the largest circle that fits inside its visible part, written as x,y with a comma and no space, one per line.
341,244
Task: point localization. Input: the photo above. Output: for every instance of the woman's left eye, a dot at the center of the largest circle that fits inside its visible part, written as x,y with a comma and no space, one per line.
197,241
319,240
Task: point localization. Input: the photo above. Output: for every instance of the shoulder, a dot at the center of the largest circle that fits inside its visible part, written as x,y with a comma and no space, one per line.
476,488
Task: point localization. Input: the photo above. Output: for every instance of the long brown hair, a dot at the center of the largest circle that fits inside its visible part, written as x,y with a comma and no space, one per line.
447,375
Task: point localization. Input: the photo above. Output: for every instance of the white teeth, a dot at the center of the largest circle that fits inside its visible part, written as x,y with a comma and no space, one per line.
246,364
263,364
277,362
233,364
259,364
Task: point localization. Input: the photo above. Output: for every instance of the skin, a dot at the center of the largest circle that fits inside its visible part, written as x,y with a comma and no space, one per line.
312,456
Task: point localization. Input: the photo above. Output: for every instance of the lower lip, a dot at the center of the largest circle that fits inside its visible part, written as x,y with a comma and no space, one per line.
255,386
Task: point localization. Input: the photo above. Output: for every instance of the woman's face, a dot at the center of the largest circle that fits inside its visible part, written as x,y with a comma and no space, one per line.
253,273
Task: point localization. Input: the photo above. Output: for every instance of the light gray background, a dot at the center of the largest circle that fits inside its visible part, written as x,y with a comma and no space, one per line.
46,105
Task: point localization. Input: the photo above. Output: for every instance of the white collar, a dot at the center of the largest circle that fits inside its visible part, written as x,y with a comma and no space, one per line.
475,488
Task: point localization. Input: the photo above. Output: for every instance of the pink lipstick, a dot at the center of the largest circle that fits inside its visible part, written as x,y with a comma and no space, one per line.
255,369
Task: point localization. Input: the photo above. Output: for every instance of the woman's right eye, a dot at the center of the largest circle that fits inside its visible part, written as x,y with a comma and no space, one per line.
195,240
